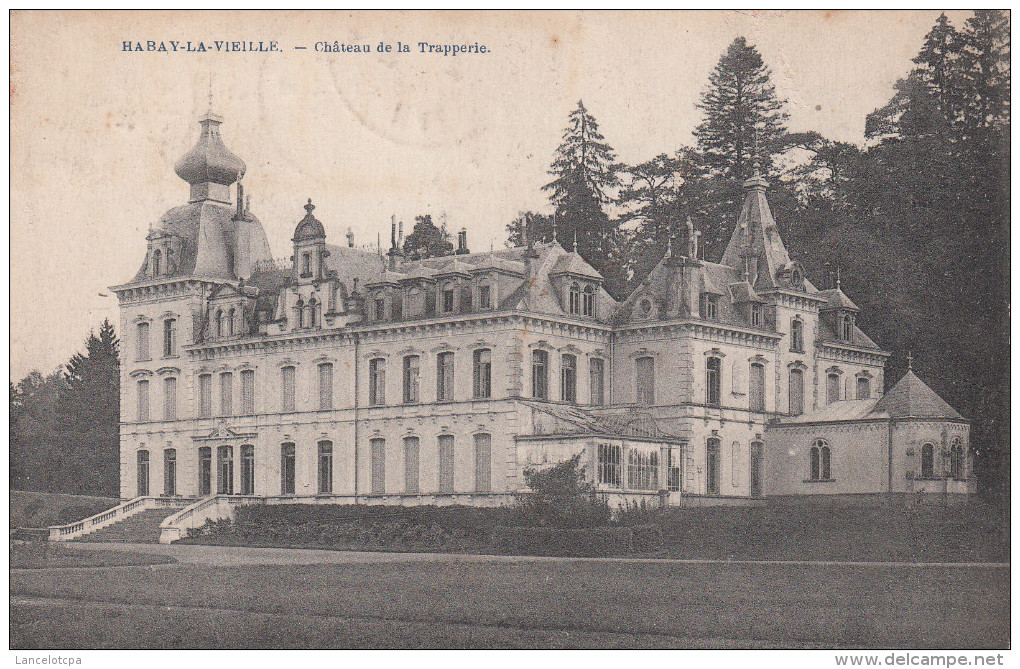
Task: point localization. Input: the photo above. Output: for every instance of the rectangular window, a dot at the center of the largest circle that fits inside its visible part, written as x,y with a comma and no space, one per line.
169,337
287,389
143,474
863,388
143,341
225,470
226,394
568,377
170,472
247,392
642,470
597,371
483,463
482,373
446,463
377,381
412,372
831,388
447,300
756,387
380,309
287,469
709,304
325,467
540,375
713,381
204,471
247,469
673,457
411,465
712,467
444,376
796,392
325,386
170,398
143,401
484,297
589,301
756,315
205,395
610,465
378,466
644,377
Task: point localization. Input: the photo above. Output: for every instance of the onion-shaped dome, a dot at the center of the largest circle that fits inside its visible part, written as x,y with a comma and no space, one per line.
209,161
309,227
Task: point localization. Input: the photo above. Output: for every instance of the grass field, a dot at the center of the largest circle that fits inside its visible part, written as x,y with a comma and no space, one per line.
54,556
42,509
510,603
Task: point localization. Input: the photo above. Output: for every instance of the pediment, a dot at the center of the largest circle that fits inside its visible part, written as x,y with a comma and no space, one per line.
224,433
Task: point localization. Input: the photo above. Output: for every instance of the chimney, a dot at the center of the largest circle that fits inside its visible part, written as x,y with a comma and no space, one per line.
350,237
240,200
692,244
462,247
393,233
695,249
400,235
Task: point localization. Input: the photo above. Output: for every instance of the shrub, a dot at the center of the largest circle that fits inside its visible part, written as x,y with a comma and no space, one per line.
560,497
647,538
562,542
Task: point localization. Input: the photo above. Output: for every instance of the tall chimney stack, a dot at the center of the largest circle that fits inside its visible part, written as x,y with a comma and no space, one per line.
350,237
462,247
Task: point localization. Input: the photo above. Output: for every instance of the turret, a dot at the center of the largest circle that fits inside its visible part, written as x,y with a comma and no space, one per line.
309,247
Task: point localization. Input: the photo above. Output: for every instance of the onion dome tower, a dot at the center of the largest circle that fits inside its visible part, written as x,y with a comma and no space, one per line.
309,247
209,167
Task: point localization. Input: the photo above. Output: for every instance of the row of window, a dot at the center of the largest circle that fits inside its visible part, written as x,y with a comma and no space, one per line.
169,339
205,405
225,469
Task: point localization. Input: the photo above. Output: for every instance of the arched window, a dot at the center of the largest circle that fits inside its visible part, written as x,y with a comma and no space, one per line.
247,469
312,317
219,322
411,374
796,391
287,469
448,298
589,301
848,327
306,264
484,296
170,472
143,473
820,461
225,470
325,386
712,463
956,468
377,381
575,298
157,256
444,376
299,307
287,390
928,461
143,341
713,381
412,465
230,321
797,335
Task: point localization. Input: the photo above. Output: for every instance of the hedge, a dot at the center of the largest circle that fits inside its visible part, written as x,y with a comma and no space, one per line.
562,542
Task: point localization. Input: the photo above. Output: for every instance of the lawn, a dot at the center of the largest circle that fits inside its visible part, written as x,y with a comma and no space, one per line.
42,509
54,556
509,603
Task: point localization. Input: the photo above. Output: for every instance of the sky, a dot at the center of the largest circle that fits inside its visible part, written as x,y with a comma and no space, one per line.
95,129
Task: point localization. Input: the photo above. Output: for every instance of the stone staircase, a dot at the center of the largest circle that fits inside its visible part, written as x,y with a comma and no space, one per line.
141,528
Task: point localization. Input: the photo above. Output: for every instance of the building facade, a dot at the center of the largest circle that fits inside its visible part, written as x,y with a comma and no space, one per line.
351,375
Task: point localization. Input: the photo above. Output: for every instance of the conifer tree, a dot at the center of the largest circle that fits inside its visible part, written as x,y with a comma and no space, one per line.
427,240
585,173
742,111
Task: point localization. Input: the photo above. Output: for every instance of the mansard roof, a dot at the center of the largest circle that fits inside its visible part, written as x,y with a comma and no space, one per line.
756,235
837,299
829,336
572,263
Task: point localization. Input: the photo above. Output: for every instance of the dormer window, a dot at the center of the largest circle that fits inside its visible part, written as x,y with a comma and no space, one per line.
709,306
300,309
219,322
230,322
588,308
157,256
484,297
306,265
575,298
380,309
756,315
847,327
312,316
448,294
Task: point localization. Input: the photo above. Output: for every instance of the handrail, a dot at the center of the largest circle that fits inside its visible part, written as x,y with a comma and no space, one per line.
110,516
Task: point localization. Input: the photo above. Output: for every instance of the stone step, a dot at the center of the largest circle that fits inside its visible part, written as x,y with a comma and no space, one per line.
142,527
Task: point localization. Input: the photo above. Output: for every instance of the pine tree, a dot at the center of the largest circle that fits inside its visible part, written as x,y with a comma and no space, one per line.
88,411
427,240
529,227
742,112
938,59
584,172
985,70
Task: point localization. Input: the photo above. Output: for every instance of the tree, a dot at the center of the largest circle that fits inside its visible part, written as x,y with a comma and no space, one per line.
88,411
529,227
938,59
743,116
584,172
427,240
35,457
649,194
560,496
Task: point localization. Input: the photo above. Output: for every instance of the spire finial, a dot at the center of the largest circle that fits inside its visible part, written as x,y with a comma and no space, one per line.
555,214
910,360
575,240
309,207
838,282
210,91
